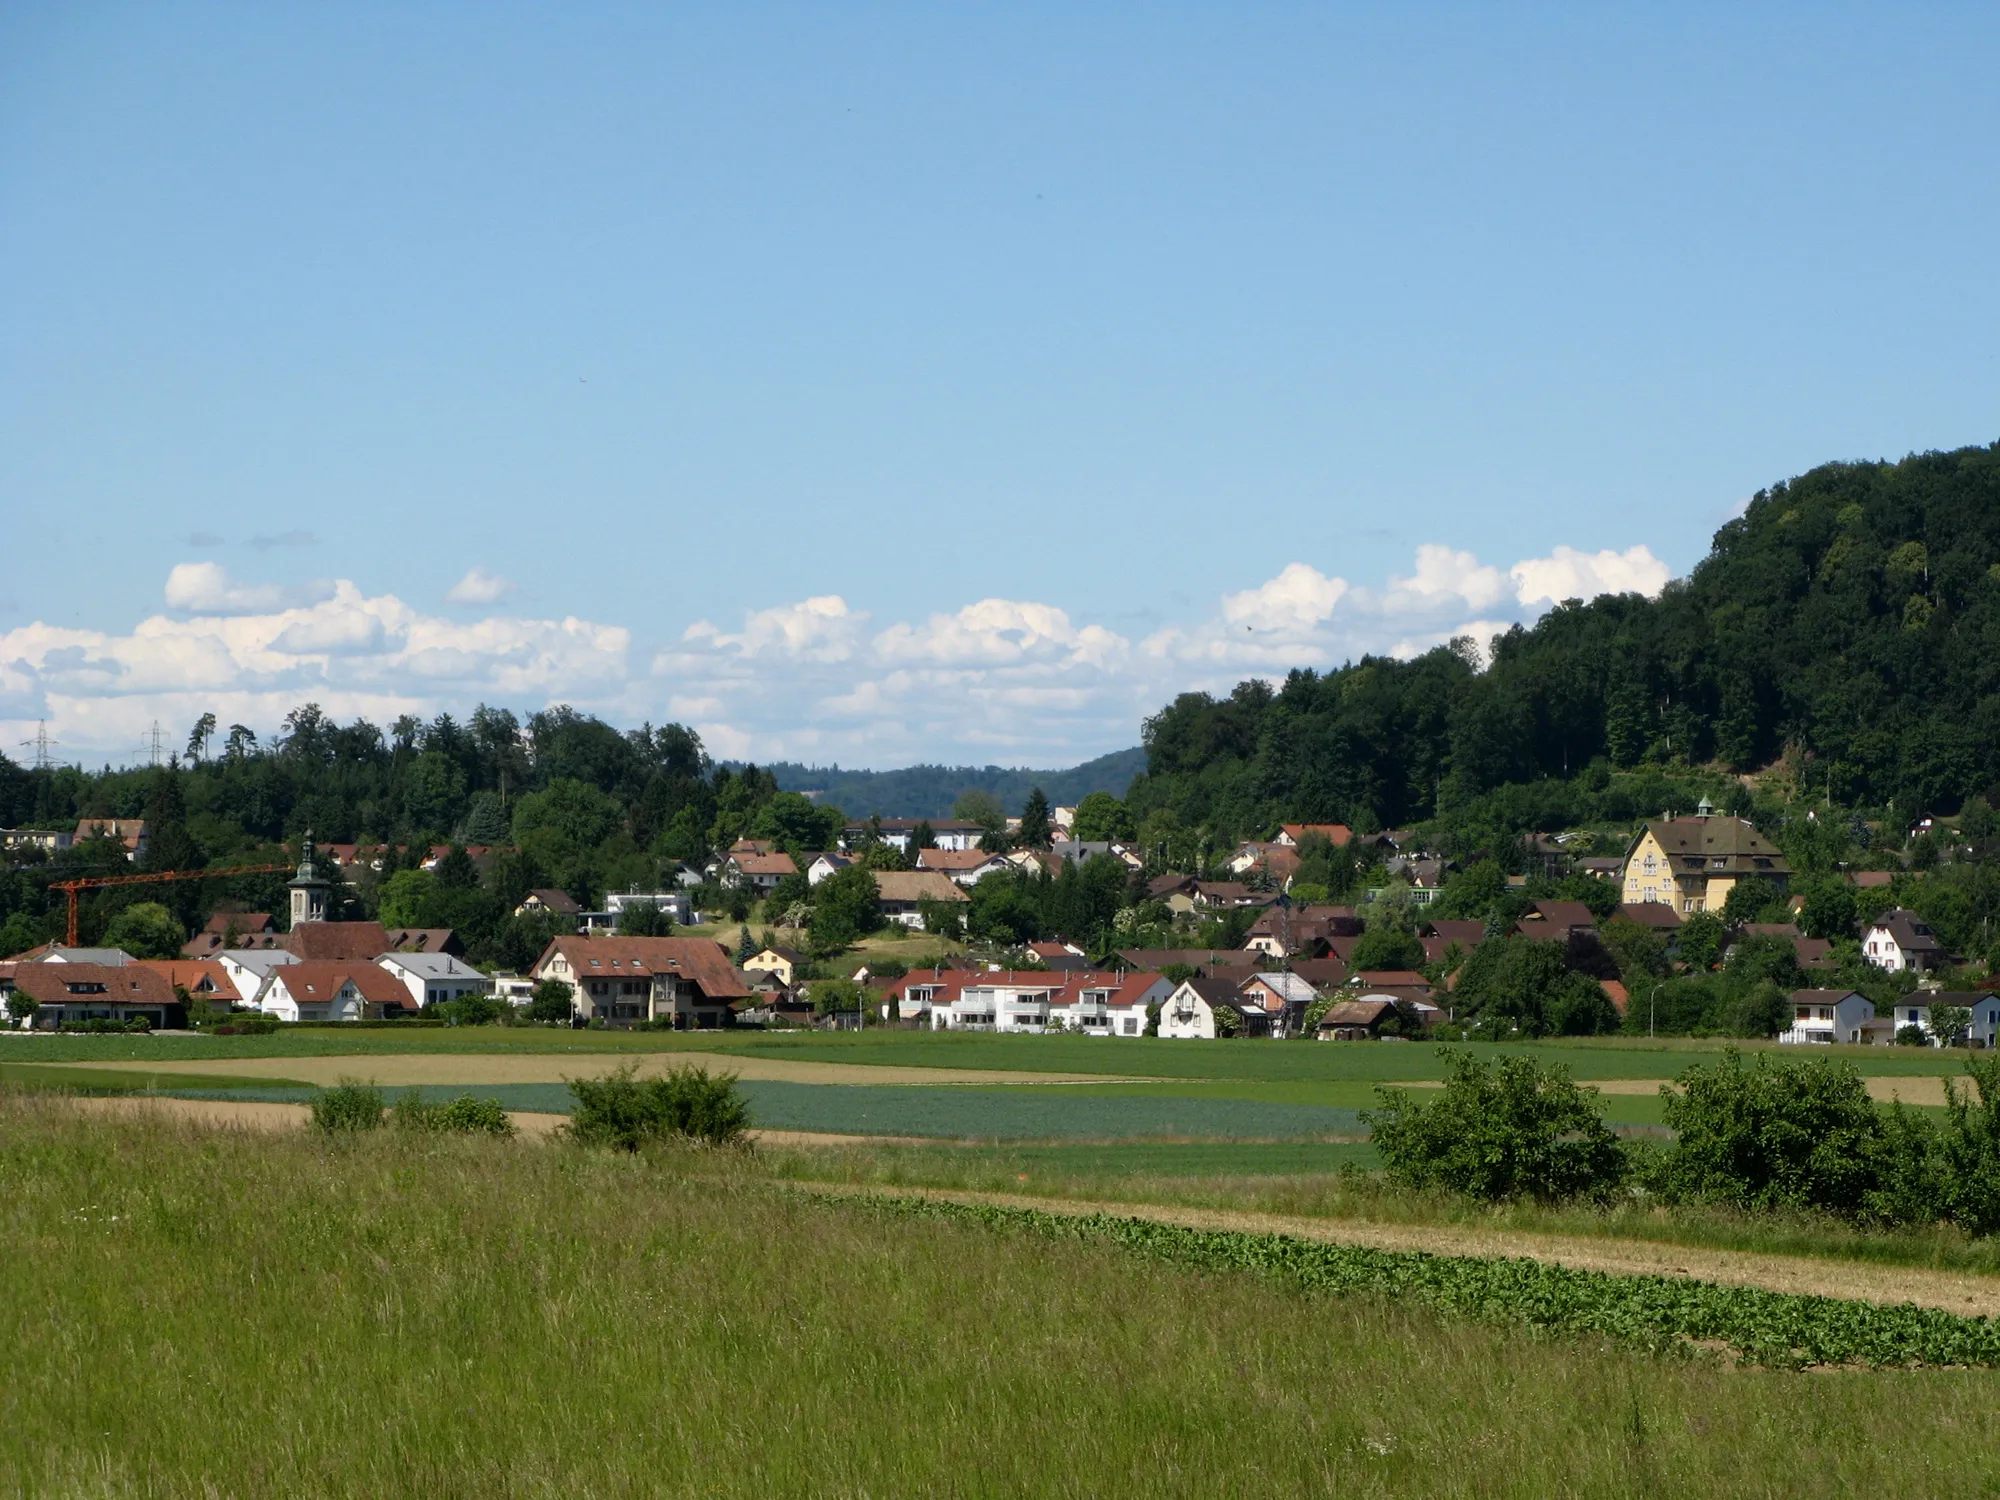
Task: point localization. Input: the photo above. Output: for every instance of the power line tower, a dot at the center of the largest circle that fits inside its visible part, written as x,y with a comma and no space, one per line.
41,744
153,738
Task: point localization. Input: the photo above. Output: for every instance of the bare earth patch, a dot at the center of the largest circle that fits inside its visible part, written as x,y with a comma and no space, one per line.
245,1114
395,1070
1956,1292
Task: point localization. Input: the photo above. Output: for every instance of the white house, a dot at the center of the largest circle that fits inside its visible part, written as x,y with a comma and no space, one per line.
902,893
674,903
824,865
1899,940
1113,1005
965,866
1825,1016
1189,1011
1914,1009
249,969
948,833
322,990
433,978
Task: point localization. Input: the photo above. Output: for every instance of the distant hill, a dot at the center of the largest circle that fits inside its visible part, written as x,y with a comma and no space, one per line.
929,791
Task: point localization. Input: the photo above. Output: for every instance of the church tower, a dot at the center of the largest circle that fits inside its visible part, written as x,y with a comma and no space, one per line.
308,890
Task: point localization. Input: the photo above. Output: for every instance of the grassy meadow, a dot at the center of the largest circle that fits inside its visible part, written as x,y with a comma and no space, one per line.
213,1313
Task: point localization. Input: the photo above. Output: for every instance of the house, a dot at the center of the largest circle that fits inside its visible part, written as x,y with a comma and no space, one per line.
201,978
250,969
1600,867
233,929
1291,835
48,840
1176,890
1823,1016
71,992
1658,915
434,978
423,940
1899,940
1219,895
757,872
552,902
1355,1020
1813,953
782,963
1188,1013
1558,921
1914,1009
1692,864
1249,855
1282,997
131,832
338,942
1059,955
1424,874
1076,852
966,866
947,833
674,904
1285,930
1201,960
1405,983
333,990
1321,973
1092,1002
901,892
114,958
823,865
1441,936
686,980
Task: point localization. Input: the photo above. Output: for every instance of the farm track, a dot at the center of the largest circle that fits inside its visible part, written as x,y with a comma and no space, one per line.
1853,1281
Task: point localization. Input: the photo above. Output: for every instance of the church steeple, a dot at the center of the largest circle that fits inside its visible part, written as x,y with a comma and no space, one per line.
309,892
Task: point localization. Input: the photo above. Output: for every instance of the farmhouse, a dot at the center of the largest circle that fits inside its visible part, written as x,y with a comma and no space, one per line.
902,893
75,992
686,980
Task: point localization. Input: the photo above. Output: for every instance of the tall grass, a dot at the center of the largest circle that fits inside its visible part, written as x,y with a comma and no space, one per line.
209,1313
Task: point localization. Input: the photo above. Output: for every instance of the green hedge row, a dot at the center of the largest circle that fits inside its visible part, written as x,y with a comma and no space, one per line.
1658,1313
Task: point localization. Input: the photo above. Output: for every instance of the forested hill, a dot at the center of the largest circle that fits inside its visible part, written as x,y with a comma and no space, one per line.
1849,620
930,791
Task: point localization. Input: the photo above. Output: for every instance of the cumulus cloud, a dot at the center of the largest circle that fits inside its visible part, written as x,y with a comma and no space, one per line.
480,587
1569,574
1019,680
206,588
1299,598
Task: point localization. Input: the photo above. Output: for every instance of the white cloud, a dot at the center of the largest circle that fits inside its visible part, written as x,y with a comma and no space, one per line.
1299,598
1016,680
1569,574
480,587
206,588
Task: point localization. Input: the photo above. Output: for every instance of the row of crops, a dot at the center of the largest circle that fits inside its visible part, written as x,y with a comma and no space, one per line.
1657,1313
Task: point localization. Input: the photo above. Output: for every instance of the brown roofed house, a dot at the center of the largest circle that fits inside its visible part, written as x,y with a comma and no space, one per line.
626,979
1692,864
80,992
338,942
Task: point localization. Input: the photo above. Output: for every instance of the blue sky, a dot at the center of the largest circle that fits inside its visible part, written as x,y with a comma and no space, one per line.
884,383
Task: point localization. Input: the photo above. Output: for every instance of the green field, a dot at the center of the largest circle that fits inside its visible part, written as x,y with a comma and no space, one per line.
193,1314
1264,1061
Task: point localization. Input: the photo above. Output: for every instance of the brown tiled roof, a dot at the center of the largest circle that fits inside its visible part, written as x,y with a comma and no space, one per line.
953,859
1694,844
1558,914
243,921
338,941
1336,834
207,944
196,976
1396,978
317,981
1911,932
422,940
917,885
1655,914
557,901
1356,1013
1321,973
764,864
1467,934
1155,959
695,959
125,984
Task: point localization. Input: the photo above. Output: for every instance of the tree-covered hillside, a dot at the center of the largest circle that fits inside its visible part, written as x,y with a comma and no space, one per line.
931,791
1847,624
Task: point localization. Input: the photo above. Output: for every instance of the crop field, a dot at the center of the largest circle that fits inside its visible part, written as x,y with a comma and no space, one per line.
198,1313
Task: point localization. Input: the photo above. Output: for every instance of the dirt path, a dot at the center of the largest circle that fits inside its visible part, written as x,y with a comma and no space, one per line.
244,1114
1959,1292
394,1070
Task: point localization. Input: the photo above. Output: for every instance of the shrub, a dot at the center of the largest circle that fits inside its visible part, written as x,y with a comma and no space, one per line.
465,1115
1509,1129
551,1000
350,1105
1912,1035
627,1112
1780,1135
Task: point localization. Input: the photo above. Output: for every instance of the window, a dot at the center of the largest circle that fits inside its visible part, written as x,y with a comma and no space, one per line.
1651,864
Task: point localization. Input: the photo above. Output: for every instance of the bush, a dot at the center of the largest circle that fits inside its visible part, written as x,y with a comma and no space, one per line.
1780,1135
1510,1129
551,1000
626,1112
465,1115
1912,1035
349,1105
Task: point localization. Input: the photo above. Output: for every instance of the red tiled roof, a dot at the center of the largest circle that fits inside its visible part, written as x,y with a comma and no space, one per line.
126,984
695,959
338,941
316,981
196,976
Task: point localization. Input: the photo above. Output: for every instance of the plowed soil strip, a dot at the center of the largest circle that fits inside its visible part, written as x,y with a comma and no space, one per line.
1958,1292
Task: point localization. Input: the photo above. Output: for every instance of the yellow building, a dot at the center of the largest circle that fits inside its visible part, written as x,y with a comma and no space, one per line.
1692,864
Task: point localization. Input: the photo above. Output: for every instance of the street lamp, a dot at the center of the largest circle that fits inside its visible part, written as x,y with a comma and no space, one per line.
1652,1008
